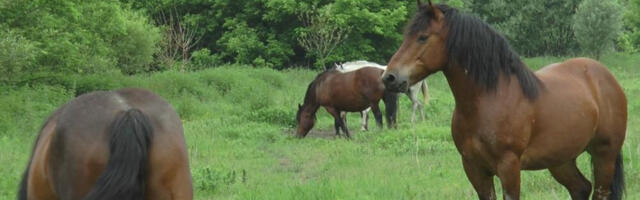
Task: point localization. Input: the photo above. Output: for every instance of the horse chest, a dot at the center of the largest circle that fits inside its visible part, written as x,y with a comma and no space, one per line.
482,140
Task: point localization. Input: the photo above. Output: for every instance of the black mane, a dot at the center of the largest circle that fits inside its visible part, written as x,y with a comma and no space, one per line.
476,47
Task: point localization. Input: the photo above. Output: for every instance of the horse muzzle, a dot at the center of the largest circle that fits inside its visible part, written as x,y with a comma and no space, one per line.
394,82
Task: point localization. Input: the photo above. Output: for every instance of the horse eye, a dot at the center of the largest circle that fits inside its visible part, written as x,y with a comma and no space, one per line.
422,38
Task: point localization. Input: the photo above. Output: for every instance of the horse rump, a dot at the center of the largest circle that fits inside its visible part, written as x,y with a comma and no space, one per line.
124,176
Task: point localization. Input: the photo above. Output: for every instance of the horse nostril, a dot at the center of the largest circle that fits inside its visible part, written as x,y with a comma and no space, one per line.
389,78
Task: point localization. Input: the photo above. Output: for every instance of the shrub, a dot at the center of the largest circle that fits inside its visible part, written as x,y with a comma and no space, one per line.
597,23
17,56
74,37
202,59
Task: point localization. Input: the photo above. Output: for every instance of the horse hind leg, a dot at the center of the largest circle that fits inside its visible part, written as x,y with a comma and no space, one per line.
377,114
338,122
343,120
415,105
571,178
343,116
608,174
169,174
365,119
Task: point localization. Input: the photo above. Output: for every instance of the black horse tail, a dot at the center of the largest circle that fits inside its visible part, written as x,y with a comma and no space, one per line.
617,186
391,107
124,176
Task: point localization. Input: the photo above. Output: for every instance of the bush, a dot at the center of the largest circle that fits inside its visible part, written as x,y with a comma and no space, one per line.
629,41
597,24
202,59
75,37
17,57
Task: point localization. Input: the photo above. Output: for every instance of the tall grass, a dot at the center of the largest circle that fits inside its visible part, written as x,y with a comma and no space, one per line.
239,122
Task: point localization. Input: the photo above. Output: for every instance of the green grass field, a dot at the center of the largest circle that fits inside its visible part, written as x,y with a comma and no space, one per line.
239,123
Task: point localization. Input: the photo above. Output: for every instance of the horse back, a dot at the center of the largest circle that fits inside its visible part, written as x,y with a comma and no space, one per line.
351,91
580,101
586,79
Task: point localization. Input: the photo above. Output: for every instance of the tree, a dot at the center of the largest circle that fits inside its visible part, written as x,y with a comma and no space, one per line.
179,39
629,40
17,57
533,27
265,32
597,24
321,36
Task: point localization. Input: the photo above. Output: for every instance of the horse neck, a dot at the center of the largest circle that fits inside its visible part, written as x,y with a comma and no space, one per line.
465,92
310,107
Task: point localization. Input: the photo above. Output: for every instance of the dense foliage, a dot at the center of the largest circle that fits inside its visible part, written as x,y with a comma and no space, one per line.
597,24
265,32
41,39
629,41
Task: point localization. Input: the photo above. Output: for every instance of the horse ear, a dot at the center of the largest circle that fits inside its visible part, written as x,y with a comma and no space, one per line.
434,12
299,106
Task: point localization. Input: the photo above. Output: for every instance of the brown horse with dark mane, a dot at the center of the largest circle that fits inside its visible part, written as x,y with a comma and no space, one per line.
124,144
352,91
508,118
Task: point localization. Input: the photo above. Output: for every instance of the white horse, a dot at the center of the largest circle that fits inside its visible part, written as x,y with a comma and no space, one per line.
412,93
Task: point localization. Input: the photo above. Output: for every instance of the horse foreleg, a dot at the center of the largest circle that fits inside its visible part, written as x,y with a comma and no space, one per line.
482,180
338,122
509,174
377,114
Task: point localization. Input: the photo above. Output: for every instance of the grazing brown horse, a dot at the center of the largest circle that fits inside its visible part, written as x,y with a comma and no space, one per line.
508,118
124,144
352,91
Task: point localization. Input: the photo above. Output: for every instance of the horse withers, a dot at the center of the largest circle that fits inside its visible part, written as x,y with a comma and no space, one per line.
352,91
508,118
124,144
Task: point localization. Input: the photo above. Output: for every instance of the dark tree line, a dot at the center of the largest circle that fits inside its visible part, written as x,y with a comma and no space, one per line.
42,38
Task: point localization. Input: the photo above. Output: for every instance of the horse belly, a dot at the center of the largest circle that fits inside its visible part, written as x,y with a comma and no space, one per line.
561,131
350,103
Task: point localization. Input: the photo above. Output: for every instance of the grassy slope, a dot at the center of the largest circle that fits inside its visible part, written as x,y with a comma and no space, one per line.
238,123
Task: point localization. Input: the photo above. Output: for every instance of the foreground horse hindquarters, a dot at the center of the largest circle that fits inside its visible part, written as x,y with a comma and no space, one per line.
352,92
508,118
124,144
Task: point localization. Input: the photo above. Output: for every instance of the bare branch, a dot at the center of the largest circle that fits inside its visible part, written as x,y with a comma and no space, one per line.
180,38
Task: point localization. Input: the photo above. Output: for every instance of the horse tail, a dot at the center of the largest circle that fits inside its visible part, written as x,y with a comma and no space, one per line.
125,173
425,91
617,186
391,106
